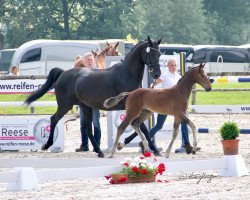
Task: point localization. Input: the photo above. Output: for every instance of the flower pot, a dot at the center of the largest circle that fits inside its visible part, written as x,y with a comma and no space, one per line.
119,178
230,147
140,179
124,178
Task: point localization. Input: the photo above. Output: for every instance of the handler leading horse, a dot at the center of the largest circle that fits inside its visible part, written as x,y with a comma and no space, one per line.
88,88
170,101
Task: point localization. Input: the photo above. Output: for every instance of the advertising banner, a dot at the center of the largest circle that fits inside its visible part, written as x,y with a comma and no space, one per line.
29,133
21,86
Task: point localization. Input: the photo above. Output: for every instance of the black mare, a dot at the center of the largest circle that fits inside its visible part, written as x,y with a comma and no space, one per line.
88,88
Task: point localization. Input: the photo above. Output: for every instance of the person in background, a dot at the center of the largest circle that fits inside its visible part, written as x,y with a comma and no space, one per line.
89,62
14,71
168,79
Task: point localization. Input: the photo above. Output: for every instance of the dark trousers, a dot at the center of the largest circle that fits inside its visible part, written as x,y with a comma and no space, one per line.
96,124
159,124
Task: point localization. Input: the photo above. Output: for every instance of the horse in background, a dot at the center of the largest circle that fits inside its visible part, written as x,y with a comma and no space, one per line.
141,103
110,50
89,87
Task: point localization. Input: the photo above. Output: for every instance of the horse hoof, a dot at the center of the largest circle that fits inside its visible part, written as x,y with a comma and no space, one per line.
119,146
188,148
101,155
44,148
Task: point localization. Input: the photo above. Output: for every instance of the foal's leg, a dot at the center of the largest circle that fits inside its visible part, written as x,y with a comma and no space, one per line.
177,122
88,114
121,128
192,126
136,125
145,114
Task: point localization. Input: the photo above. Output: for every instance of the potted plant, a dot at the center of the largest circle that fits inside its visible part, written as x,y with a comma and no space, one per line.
136,170
229,132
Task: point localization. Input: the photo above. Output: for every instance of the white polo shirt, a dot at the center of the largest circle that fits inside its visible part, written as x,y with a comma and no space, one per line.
169,79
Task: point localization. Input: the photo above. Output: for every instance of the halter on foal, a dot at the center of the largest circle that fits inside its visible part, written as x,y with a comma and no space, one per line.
171,101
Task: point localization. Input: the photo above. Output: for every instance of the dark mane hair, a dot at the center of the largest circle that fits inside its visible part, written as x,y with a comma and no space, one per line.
131,50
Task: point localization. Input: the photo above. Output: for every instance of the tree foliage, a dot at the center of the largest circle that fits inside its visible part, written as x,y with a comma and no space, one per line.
233,20
187,22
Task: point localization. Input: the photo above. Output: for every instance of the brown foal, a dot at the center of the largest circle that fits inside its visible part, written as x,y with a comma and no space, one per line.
141,103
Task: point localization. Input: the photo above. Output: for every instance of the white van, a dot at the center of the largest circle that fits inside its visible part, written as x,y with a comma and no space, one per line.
38,57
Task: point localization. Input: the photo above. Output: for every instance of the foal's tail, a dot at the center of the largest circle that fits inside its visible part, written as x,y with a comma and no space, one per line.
52,78
113,101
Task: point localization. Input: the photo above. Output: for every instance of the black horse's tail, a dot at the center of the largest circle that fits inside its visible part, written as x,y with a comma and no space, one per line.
52,78
113,101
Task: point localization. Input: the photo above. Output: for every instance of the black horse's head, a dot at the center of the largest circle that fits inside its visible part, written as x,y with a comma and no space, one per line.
151,55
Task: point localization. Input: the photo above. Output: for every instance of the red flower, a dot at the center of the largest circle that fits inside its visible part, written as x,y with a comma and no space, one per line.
141,157
144,171
135,169
126,164
162,181
147,154
112,181
122,179
161,168
108,177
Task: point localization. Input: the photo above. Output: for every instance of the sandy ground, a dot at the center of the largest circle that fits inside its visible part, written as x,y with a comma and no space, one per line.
99,188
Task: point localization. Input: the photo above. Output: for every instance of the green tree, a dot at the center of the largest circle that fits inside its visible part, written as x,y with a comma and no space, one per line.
106,19
179,21
233,24
25,20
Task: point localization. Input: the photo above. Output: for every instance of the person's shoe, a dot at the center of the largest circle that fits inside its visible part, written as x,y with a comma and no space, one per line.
82,148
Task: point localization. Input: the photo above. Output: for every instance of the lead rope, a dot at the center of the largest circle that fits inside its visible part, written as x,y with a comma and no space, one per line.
153,85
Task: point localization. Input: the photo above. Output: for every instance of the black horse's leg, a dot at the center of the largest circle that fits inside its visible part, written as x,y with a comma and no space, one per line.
131,137
88,114
61,111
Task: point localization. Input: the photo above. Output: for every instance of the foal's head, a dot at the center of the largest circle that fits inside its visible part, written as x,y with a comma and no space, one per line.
201,78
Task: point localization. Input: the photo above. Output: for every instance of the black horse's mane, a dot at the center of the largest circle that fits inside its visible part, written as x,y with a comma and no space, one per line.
186,74
131,50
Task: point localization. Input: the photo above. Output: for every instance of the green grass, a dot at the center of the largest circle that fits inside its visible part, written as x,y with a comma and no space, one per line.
224,98
23,110
202,98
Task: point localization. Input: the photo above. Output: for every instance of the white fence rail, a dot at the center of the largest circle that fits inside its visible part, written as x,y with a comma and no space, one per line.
26,178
